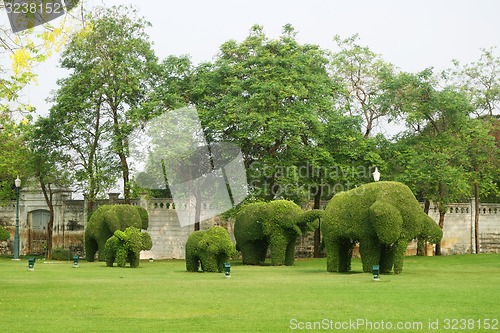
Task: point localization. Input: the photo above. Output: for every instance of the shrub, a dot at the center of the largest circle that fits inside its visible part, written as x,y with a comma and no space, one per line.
275,224
383,217
106,220
208,249
60,254
4,234
125,247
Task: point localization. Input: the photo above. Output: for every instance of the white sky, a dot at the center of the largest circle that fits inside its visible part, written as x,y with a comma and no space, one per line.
412,35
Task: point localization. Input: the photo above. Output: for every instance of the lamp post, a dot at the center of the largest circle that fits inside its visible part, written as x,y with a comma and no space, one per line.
16,235
376,175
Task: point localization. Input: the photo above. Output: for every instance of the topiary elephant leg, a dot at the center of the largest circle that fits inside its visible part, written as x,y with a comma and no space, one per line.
370,250
209,262
221,259
110,251
192,263
290,253
253,252
90,248
337,253
386,258
134,259
121,256
278,243
345,255
399,253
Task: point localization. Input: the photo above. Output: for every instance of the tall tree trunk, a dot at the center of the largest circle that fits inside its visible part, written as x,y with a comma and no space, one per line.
48,195
442,212
91,169
317,232
121,145
126,177
476,217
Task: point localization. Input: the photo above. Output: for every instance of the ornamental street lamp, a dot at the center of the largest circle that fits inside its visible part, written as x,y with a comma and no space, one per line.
16,235
376,175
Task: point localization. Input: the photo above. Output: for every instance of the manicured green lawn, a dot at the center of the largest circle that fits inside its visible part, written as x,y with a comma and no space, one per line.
161,297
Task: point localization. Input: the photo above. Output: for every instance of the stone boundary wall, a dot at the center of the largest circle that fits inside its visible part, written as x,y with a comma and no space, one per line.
169,237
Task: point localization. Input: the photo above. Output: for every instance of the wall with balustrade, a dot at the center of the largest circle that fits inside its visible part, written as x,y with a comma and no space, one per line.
169,237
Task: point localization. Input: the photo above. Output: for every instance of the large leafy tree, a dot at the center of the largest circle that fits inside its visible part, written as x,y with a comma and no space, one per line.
20,53
114,62
79,135
49,166
267,96
13,157
360,74
480,81
432,157
483,164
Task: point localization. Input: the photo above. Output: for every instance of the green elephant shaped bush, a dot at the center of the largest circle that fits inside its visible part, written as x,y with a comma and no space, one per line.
209,249
125,247
383,217
275,225
106,220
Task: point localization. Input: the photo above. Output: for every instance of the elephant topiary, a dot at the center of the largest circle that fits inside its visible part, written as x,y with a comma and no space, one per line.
275,224
383,217
106,220
125,246
209,249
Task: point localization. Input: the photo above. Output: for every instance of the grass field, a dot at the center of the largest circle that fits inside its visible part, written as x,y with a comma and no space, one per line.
433,294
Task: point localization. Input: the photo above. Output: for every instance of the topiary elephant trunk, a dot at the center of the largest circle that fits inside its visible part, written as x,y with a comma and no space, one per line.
383,217
275,225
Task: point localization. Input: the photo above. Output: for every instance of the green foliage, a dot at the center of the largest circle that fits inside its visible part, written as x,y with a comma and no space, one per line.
386,220
273,93
246,299
275,224
125,247
480,80
383,217
4,234
360,74
209,249
113,67
60,254
105,221
12,150
144,217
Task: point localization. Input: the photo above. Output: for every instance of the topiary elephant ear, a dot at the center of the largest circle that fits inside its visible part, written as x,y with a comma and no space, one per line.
146,241
144,217
387,221
134,239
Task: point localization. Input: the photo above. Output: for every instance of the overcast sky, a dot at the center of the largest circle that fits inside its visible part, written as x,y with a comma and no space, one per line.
412,35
